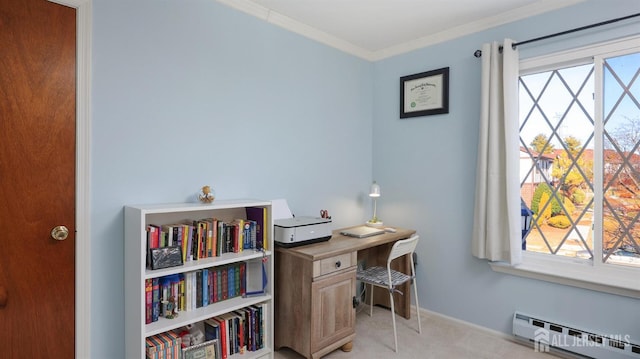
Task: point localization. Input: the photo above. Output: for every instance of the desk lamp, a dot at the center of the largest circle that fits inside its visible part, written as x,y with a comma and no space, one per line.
374,193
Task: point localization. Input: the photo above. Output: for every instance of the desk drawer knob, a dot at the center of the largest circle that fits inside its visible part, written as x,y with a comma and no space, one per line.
338,264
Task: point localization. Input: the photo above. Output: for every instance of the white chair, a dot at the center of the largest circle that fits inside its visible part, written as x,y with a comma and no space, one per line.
390,279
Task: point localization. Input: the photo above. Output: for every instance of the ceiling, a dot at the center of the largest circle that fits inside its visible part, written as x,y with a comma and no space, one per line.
376,29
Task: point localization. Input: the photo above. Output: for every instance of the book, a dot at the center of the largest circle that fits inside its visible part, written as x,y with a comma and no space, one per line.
211,329
155,299
259,215
214,232
242,280
153,241
188,290
189,237
148,308
252,233
230,281
212,286
194,289
219,285
229,333
182,289
184,242
246,234
241,330
205,287
259,327
251,341
225,283
199,289
223,337
167,231
238,235
201,240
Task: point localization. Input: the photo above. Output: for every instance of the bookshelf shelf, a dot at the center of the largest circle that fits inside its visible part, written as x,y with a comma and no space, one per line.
200,314
138,217
226,258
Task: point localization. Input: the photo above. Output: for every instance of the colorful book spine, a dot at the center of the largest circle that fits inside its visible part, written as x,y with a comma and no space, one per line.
209,226
155,299
210,286
182,289
205,287
243,278
199,289
230,281
214,233
225,284
189,254
148,309
246,235
223,337
236,280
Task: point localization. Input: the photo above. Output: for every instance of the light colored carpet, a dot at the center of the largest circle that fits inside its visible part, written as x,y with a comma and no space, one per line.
441,338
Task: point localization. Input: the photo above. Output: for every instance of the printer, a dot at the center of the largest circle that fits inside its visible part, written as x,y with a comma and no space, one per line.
297,231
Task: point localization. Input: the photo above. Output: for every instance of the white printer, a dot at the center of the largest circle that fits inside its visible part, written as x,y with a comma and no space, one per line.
297,231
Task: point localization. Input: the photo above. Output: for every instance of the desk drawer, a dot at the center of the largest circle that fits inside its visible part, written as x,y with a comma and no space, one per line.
334,264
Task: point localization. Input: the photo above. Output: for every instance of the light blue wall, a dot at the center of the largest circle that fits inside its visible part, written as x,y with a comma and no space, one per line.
426,167
188,93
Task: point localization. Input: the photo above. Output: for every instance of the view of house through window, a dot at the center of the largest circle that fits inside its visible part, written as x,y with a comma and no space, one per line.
580,169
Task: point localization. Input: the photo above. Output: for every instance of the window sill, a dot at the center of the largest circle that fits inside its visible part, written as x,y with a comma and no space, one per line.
575,272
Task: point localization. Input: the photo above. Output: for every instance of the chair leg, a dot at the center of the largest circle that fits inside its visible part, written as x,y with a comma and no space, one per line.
393,319
371,300
415,290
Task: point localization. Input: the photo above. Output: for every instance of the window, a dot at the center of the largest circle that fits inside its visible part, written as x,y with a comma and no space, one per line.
580,156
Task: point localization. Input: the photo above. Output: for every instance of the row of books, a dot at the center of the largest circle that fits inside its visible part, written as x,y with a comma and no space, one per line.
238,331
166,296
211,237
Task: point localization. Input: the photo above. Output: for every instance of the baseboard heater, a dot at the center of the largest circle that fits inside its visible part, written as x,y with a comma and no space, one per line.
552,336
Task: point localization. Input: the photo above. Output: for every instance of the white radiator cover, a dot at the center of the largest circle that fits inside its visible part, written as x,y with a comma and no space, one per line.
549,335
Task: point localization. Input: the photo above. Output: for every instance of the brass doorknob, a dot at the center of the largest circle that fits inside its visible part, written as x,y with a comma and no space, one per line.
3,297
60,233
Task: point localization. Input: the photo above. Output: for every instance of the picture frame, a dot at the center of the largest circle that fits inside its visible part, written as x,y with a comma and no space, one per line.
207,350
425,93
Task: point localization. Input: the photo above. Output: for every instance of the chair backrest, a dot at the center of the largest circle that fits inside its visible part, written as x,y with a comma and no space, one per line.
402,247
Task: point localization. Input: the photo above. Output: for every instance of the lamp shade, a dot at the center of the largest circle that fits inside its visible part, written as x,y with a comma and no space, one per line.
375,190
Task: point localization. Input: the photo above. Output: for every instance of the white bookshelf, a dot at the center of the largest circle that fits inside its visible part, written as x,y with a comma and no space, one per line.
136,219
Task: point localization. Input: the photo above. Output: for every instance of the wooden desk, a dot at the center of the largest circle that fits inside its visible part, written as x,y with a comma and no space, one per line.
315,296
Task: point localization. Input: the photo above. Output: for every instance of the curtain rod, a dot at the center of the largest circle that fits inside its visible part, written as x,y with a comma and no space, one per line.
478,53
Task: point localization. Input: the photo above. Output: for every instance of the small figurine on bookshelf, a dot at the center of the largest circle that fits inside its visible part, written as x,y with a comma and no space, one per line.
170,311
206,194
191,335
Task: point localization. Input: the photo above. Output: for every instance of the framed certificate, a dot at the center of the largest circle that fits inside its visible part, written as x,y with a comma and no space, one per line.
424,94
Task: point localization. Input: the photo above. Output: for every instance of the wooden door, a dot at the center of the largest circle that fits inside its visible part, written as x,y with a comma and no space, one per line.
37,178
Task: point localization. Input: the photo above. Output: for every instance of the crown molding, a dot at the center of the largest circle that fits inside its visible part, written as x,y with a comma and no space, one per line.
292,25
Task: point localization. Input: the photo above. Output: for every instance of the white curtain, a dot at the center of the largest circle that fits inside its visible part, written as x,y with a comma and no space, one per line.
496,226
